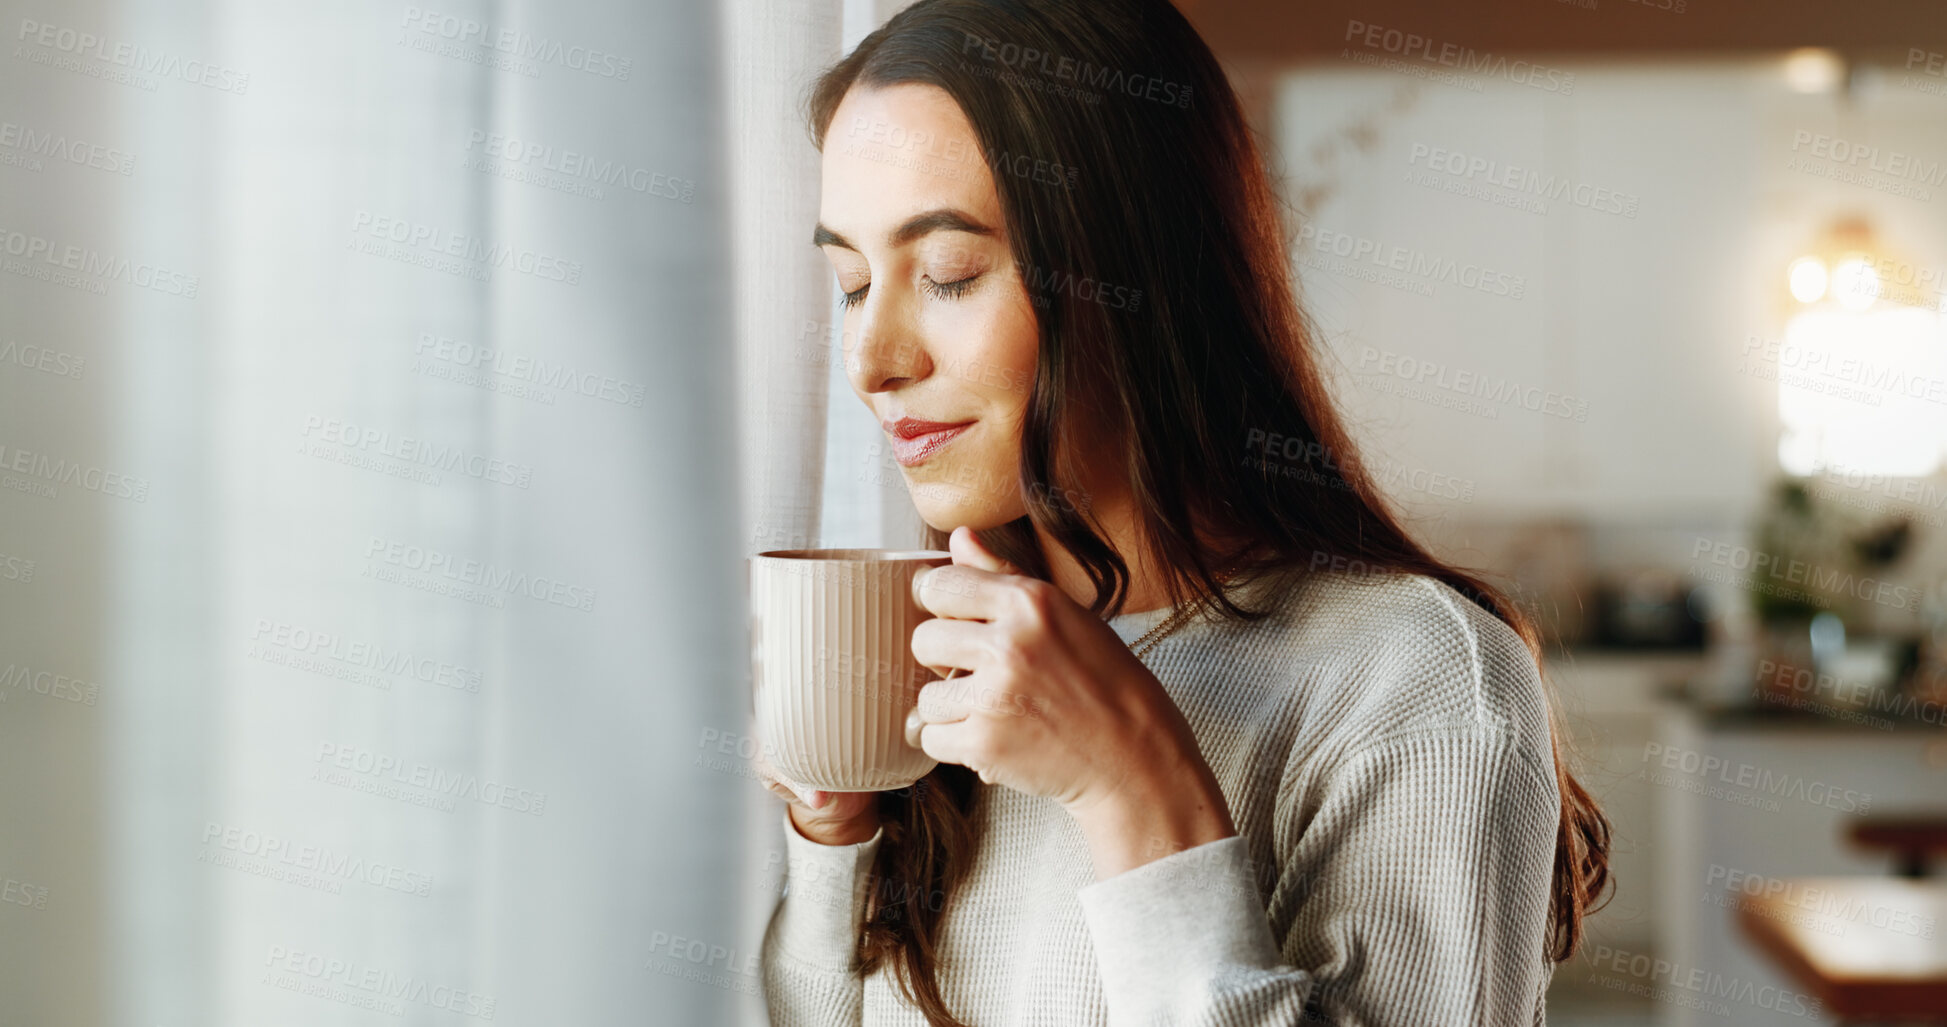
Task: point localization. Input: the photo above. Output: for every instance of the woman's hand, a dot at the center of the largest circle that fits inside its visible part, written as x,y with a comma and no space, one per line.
1052,703
828,818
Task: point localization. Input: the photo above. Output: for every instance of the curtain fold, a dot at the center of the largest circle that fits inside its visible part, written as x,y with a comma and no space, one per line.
774,50
780,292
864,499
414,578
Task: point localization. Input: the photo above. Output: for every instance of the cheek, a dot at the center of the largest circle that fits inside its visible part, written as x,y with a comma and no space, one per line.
987,348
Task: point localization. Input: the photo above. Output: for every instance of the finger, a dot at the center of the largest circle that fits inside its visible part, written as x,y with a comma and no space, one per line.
943,645
943,702
790,790
811,798
962,591
950,743
966,547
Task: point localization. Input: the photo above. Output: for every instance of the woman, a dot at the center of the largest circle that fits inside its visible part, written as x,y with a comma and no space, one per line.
1224,746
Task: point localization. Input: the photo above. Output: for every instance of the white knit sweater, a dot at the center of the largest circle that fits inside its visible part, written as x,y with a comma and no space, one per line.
1383,747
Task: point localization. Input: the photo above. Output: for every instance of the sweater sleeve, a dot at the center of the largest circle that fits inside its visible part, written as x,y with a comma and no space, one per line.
809,973
1417,894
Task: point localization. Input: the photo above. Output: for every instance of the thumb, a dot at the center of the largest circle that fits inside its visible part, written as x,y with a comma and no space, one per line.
969,551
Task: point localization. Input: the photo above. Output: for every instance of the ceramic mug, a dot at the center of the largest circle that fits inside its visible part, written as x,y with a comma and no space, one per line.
832,664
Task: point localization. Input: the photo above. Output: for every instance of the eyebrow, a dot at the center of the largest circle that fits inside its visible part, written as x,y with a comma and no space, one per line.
943,219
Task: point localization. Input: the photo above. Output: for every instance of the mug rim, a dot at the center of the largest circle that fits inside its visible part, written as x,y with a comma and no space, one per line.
863,556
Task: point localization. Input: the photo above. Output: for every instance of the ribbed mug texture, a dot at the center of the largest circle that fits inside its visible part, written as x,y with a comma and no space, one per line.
833,667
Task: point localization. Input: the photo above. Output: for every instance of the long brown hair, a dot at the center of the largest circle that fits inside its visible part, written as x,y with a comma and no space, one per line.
1158,259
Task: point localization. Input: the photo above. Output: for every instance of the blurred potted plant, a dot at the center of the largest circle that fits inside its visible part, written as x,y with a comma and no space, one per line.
1809,560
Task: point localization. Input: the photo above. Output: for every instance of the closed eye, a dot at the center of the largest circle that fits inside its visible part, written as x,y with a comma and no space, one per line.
944,290
950,290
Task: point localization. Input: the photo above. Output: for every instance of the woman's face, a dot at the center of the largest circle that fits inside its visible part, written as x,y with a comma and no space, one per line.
938,328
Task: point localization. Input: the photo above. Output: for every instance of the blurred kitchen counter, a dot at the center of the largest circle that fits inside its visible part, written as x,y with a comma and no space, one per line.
1743,795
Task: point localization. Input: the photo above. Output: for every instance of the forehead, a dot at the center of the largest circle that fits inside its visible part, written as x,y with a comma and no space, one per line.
895,151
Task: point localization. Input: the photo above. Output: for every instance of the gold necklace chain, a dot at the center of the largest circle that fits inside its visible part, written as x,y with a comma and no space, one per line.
1150,638
1154,635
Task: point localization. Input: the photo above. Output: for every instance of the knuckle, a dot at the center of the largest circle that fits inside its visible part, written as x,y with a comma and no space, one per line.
979,743
956,581
1034,600
943,579
1007,649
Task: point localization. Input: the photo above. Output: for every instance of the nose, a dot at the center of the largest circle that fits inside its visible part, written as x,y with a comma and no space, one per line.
884,350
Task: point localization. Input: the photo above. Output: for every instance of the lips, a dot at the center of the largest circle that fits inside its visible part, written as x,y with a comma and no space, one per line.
914,440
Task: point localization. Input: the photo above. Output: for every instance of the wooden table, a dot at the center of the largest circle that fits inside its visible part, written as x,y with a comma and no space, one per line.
1868,947
1913,840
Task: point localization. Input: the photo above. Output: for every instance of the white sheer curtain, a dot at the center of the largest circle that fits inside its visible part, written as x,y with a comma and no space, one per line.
819,474
865,499
362,666
812,474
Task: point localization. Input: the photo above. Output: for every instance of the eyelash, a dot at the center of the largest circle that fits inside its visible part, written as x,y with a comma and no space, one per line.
944,290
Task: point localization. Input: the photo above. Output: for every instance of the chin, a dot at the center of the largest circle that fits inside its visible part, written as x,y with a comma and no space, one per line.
946,506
